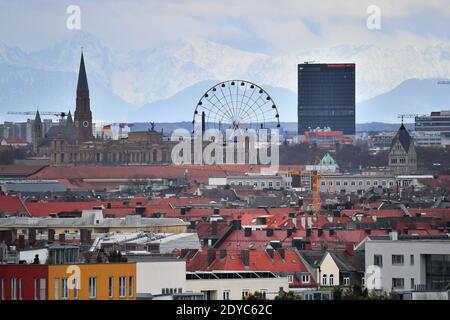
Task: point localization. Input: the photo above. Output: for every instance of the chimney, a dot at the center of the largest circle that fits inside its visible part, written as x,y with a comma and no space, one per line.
32,237
62,237
303,222
214,228
183,211
211,256
310,222
319,232
51,234
247,232
223,254
291,214
216,211
282,253
270,251
269,232
368,231
393,235
405,230
331,232
349,248
245,257
236,224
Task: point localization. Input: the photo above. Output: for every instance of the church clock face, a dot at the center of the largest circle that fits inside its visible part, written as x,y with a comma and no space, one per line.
85,124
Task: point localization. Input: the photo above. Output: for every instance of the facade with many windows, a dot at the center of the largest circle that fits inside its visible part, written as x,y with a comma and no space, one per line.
106,281
407,263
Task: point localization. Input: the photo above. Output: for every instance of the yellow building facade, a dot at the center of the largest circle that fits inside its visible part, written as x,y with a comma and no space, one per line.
106,281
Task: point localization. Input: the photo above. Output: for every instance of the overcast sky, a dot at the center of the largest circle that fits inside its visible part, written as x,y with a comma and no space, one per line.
275,26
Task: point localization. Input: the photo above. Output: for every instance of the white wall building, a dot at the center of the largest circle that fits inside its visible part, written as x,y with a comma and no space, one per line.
407,263
235,285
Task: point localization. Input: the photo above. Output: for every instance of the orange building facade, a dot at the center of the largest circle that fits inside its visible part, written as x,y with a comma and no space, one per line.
110,281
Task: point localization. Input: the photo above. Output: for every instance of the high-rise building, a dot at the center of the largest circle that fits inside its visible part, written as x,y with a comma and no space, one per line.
326,97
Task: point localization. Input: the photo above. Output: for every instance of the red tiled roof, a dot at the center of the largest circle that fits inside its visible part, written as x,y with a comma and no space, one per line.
258,261
14,170
11,204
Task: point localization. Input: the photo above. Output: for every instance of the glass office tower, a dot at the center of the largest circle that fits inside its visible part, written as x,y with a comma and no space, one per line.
326,97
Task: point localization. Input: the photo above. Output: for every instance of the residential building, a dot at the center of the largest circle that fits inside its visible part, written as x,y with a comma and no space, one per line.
235,285
105,281
406,263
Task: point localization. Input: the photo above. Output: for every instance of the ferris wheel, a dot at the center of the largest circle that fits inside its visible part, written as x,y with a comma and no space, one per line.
238,105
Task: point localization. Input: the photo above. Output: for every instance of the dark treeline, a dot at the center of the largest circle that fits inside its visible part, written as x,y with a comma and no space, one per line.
430,160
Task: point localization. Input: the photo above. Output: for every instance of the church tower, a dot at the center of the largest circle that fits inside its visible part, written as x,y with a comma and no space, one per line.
37,132
83,114
402,155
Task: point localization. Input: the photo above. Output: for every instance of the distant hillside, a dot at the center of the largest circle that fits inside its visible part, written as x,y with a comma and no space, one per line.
181,106
411,97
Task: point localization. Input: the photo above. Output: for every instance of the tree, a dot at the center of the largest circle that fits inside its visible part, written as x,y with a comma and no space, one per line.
255,296
288,296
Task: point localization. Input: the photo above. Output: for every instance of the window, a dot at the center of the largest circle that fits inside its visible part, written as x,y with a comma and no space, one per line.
378,260
75,288
111,287
65,288
290,278
270,184
411,259
226,294
122,287
397,259
346,281
398,283
305,278
363,281
324,280
13,288
3,289
92,287
56,288
36,289
20,289
412,283
42,289
130,286
245,293
263,293
338,183
331,279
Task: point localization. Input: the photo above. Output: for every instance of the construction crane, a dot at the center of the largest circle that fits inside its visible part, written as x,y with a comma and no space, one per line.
408,116
315,187
60,114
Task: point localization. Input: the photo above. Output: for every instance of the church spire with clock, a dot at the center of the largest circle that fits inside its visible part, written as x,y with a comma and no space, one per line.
83,114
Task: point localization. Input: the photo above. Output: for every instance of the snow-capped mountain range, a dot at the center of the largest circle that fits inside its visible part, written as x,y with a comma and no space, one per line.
122,83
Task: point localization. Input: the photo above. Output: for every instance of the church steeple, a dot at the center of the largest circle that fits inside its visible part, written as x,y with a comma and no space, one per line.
83,114
69,120
82,85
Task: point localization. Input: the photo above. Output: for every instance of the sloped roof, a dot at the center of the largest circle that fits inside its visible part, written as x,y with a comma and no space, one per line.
404,138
